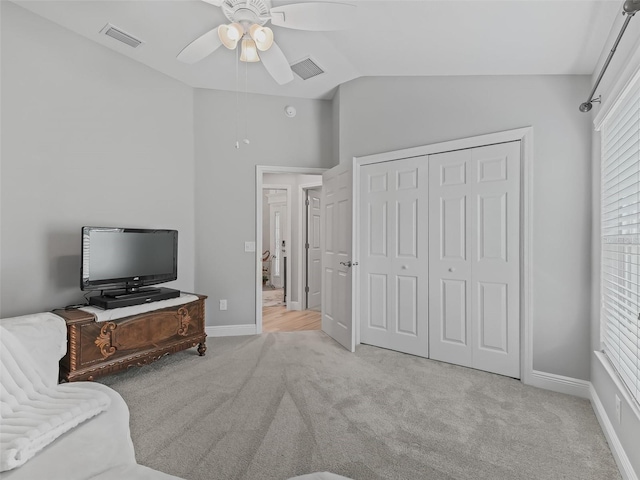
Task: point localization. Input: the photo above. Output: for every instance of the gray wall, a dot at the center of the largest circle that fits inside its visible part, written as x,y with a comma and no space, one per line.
628,431
383,114
89,137
225,185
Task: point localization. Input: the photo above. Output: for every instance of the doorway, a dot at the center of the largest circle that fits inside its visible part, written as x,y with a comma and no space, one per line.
281,235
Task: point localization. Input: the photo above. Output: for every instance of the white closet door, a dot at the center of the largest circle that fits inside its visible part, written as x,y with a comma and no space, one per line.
496,259
394,256
450,257
474,258
314,252
337,234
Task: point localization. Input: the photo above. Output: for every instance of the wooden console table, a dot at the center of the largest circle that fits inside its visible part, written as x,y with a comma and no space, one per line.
95,348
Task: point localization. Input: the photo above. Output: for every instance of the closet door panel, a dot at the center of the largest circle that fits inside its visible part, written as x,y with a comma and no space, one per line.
474,258
450,238
495,275
394,255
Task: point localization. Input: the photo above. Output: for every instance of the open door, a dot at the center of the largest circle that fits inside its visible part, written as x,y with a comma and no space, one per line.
337,266
313,260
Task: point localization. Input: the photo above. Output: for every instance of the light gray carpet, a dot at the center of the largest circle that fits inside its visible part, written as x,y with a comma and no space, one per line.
283,404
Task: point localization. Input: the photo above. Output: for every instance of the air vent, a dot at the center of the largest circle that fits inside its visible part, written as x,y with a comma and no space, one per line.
117,34
306,69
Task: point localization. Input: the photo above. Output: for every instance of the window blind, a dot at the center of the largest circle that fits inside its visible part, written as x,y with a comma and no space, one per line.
620,260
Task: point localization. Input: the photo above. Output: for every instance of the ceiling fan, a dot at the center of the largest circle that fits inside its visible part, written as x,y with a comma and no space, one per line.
247,27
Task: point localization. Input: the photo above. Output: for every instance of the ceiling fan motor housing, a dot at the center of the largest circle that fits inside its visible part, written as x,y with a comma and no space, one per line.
247,11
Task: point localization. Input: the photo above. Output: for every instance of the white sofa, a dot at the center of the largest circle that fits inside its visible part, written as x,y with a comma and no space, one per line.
101,446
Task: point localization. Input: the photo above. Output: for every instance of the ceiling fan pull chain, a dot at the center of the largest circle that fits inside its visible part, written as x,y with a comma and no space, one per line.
237,100
246,104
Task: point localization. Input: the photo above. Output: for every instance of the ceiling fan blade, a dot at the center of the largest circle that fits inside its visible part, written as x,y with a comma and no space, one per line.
277,65
215,3
314,16
200,47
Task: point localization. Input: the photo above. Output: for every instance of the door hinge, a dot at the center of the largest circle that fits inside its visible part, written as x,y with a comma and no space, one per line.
306,289
306,202
306,245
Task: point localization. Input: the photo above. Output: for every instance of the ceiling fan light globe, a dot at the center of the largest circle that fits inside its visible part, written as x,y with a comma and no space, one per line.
262,36
249,53
230,34
235,32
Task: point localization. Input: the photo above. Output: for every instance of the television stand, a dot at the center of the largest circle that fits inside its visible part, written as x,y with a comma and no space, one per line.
95,348
121,298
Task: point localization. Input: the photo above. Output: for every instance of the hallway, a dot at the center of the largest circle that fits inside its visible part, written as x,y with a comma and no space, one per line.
278,319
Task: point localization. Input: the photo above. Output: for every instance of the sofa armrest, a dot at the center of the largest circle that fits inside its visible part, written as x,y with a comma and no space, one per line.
44,335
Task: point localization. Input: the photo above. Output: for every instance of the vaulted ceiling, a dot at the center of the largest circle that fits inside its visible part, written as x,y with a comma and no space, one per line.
386,38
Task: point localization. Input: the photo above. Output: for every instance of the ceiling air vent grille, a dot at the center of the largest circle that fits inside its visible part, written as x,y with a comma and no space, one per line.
306,69
117,34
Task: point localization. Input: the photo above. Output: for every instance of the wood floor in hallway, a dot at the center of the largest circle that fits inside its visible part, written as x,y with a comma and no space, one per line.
278,319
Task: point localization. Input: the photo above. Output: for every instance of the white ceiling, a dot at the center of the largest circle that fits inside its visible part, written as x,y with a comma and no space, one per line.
388,38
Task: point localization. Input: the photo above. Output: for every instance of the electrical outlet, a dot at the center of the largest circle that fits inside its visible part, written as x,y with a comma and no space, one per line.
618,409
249,246
223,304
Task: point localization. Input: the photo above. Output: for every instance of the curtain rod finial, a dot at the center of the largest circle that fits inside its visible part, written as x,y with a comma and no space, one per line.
630,7
585,107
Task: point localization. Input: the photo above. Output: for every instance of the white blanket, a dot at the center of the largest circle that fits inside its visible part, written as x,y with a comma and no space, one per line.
115,313
32,414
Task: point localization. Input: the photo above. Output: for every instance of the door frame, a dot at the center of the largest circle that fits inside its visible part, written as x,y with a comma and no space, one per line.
260,171
302,234
525,136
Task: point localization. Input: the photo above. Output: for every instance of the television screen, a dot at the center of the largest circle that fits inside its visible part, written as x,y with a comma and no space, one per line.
127,257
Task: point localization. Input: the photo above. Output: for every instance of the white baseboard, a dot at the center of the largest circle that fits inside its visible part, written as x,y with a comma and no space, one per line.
230,330
559,383
294,306
620,456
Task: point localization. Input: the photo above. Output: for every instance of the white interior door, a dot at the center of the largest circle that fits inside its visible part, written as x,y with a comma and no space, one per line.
314,252
337,234
474,258
394,255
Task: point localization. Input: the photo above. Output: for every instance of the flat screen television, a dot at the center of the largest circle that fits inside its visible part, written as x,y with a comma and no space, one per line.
127,259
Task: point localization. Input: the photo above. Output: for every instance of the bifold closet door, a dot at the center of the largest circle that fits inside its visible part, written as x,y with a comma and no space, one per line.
474,258
394,255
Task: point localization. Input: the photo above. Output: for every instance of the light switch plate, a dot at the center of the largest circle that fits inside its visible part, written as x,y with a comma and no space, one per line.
249,246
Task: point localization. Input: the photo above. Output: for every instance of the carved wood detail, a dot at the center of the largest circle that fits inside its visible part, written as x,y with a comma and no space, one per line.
185,321
104,340
73,345
100,348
